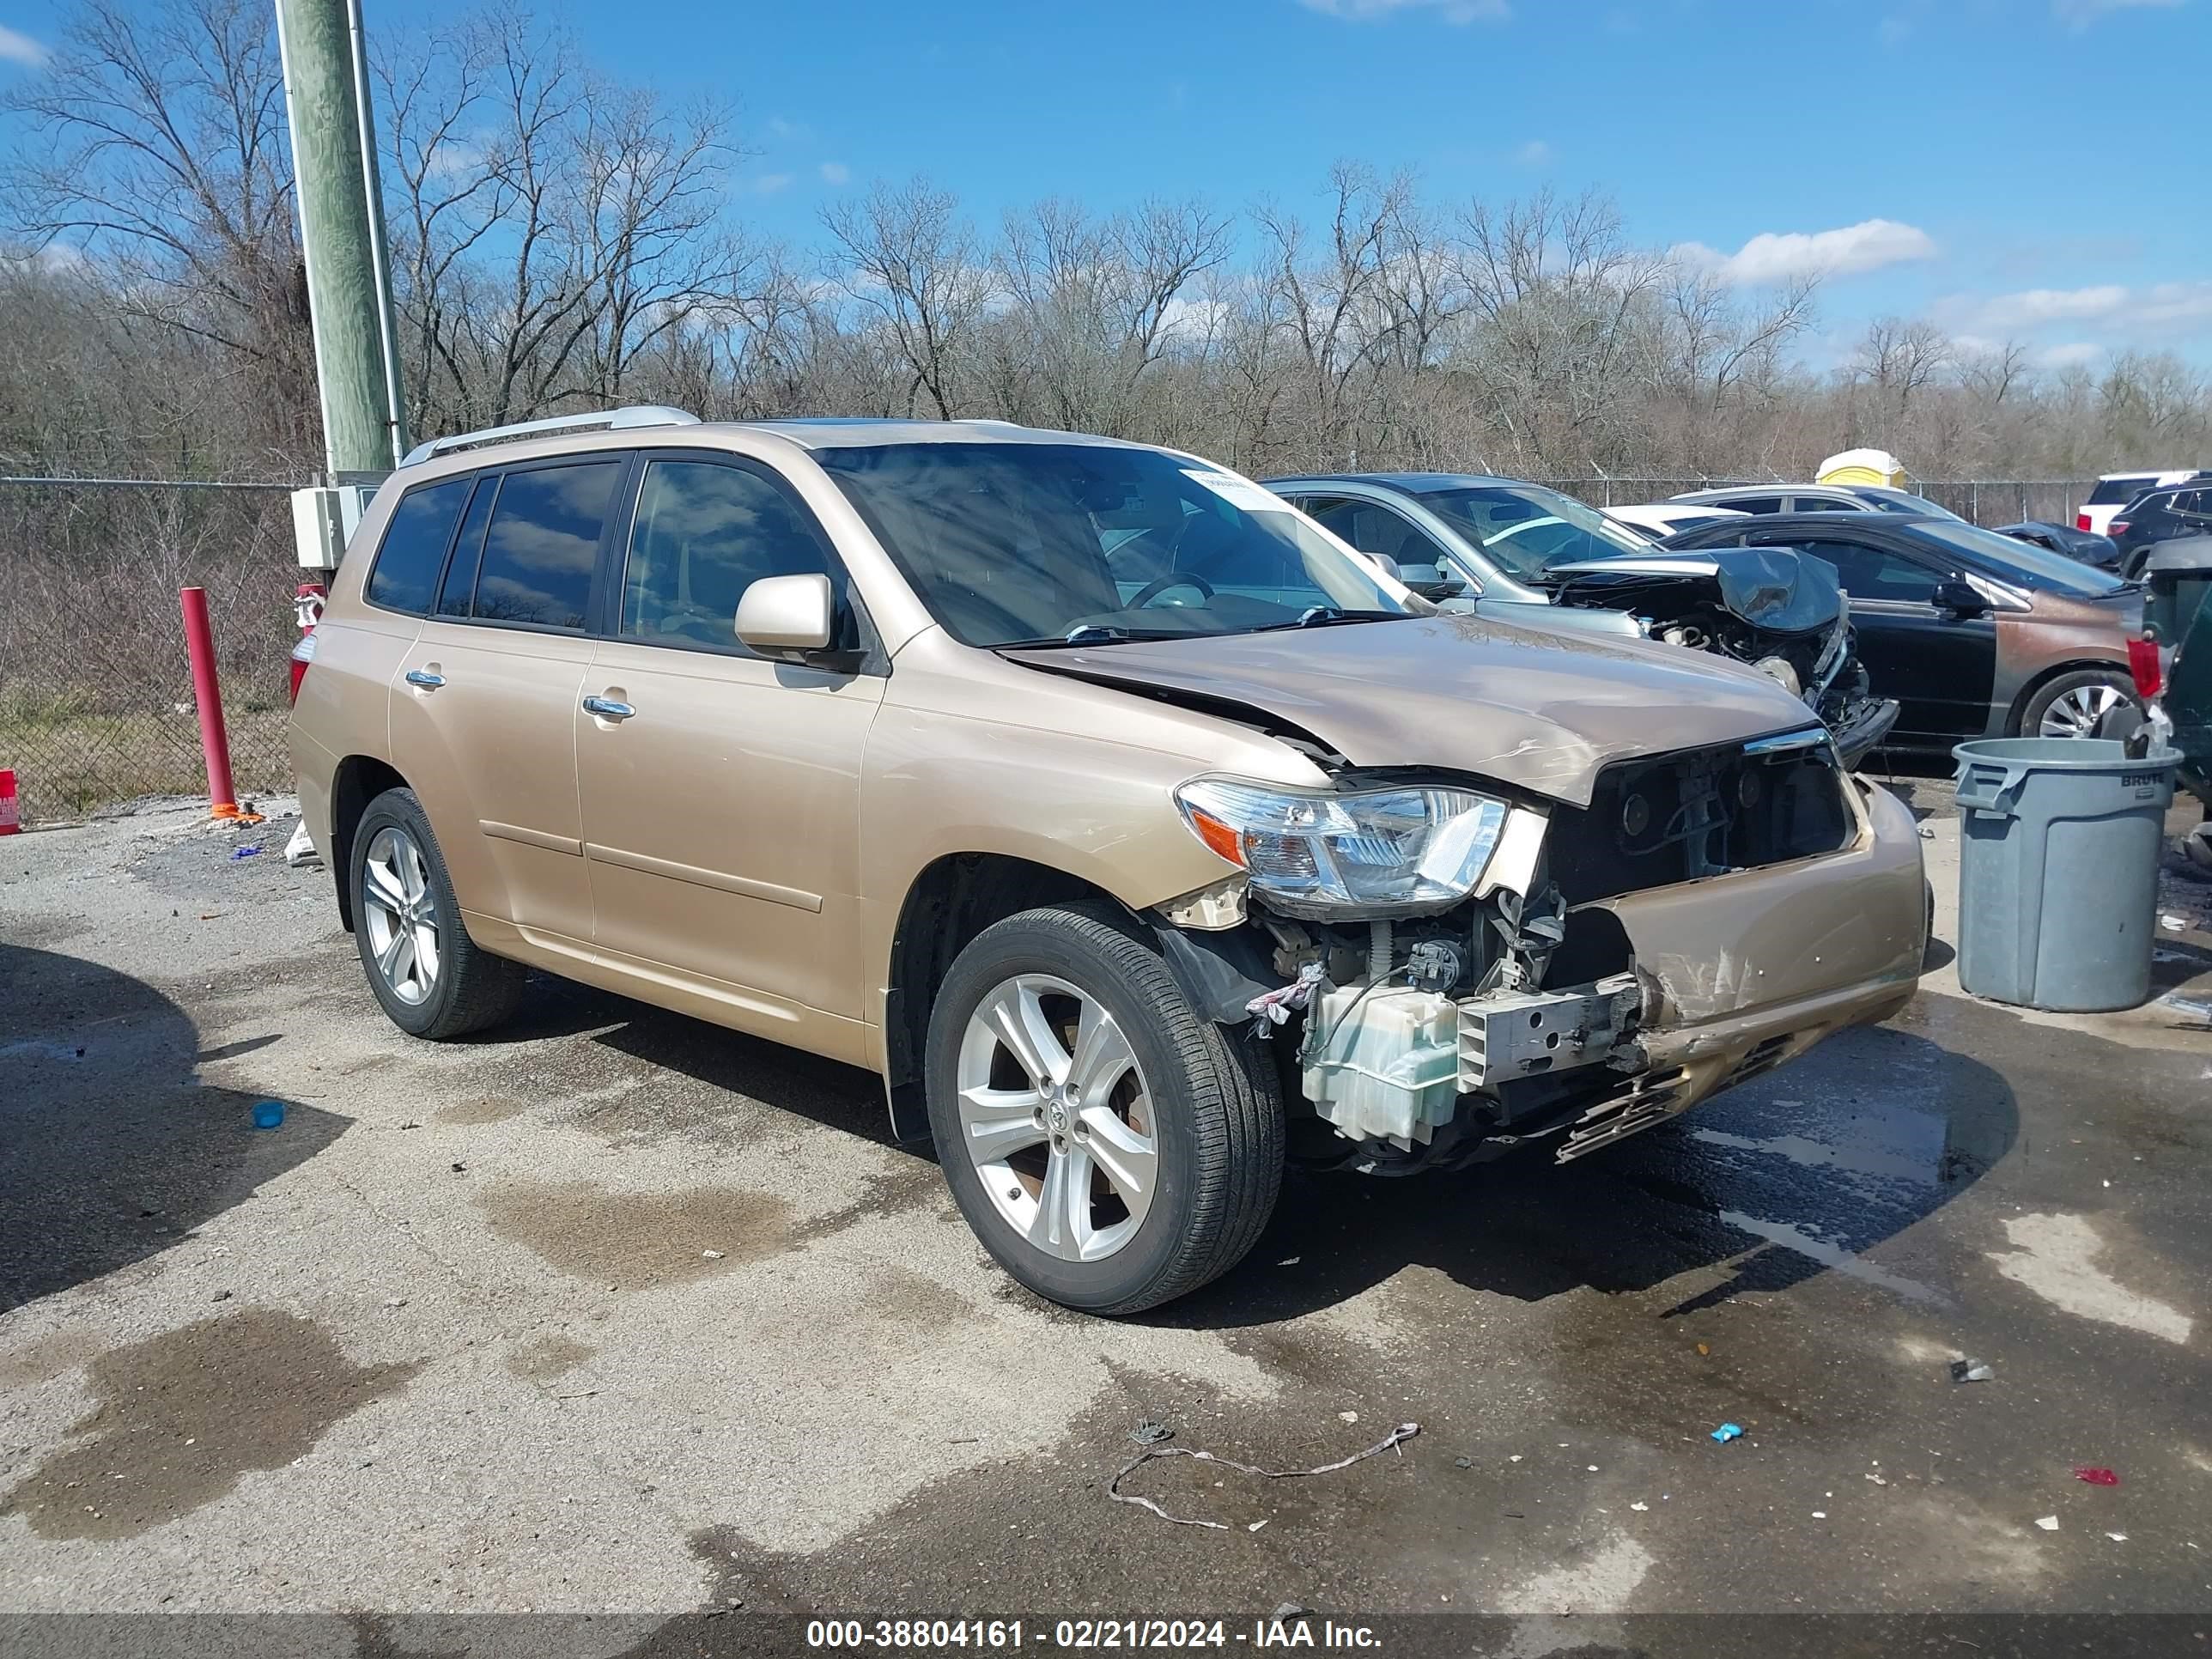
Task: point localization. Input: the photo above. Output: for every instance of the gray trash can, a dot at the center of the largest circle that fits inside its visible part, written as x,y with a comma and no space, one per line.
2059,845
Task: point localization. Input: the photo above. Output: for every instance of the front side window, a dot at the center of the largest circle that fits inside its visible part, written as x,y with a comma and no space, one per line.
1875,572
704,533
1386,535
1524,529
1029,543
543,543
414,546
2119,492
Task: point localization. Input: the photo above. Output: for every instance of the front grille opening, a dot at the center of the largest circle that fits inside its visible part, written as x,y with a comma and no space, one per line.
1674,819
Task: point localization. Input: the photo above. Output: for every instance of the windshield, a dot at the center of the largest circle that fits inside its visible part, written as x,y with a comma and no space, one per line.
1026,544
2023,563
1524,529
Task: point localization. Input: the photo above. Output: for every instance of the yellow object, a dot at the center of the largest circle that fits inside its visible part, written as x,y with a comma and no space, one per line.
1862,466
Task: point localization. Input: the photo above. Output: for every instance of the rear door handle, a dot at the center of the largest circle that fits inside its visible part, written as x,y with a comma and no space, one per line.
607,708
423,678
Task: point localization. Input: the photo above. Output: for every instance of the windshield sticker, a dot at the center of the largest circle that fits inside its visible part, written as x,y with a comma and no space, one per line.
1240,493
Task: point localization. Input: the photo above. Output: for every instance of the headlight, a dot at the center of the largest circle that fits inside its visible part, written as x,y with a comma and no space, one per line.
1386,852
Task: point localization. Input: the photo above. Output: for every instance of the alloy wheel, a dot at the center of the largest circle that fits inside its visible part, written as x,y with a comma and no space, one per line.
1056,1117
2075,714
401,914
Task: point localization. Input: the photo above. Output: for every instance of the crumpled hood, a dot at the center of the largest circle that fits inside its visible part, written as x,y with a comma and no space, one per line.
1540,709
1775,588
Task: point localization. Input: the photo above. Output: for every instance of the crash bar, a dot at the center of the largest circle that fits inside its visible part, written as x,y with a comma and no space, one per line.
632,414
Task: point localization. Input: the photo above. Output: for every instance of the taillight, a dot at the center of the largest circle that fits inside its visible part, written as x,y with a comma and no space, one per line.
2117,528
302,654
2143,664
2081,522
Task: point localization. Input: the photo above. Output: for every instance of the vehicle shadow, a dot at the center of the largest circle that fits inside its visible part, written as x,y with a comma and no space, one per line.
1795,1174
110,1150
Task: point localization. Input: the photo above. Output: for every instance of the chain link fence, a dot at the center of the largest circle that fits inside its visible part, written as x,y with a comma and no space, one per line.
96,691
96,688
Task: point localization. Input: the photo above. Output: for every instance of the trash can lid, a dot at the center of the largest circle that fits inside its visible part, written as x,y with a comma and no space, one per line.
2064,754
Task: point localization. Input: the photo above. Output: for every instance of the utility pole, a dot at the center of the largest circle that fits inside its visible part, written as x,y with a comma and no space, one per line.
342,235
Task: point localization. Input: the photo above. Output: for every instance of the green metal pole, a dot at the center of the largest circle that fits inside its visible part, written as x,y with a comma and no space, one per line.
342,235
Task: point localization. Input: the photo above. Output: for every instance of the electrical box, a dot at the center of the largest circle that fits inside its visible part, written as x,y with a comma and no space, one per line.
324,520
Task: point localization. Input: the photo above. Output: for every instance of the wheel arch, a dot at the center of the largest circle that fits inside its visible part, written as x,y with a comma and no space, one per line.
359,779
2027,693
950,901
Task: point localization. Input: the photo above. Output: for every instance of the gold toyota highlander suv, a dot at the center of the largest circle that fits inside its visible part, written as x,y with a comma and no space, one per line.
1139,834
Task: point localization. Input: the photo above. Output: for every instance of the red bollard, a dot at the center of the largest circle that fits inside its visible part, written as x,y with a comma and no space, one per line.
207,693
11,810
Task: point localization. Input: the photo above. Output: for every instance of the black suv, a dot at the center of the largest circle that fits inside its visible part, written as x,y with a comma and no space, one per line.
2160,515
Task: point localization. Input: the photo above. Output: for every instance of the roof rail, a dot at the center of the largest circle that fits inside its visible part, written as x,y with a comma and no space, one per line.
633,415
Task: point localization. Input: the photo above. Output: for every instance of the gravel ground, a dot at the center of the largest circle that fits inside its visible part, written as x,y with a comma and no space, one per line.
615,1312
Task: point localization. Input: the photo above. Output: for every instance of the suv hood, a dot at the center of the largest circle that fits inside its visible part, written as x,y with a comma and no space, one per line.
1539,709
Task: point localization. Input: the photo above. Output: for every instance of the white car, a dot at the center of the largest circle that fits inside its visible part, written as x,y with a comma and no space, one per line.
1658,520
2115,490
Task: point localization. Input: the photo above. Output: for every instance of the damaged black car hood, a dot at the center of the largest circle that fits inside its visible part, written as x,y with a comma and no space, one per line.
1775,588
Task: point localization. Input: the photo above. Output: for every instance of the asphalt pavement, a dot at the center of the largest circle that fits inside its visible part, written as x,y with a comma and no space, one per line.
615,1312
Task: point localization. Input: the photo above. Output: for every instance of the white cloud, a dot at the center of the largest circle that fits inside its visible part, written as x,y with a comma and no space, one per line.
1533,154
835,172
2071,354
768,183
1778,255
780,128
16,48
2081,14
2156,313
1452,11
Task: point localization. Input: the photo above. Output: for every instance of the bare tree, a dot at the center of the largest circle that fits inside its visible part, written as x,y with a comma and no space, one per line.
909,260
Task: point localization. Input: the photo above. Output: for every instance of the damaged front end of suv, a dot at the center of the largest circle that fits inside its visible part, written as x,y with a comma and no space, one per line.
1447,970
1773,608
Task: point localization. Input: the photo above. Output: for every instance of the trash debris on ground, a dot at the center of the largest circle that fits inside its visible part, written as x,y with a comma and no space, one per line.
395,1301
219,1295
2118,1537
1387,1442
1255,1526
1726,1432
2173,924
1640,1508
1289,1261
238,853
1877,1479
1347,1417
1819,1515
1149,1433
710,1255
2199,1006
299,852
2096,1477
1702,1350
1289,1610
2049,1522
1463,1462
1971,1371
268,1113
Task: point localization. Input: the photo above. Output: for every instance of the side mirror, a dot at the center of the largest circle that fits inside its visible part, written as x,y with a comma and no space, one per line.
788,616
1959,597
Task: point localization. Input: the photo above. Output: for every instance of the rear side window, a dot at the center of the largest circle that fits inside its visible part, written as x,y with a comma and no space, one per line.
1753,503
2119,492
543,543
414,546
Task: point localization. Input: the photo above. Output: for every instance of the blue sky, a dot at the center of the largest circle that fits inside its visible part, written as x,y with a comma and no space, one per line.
2004,166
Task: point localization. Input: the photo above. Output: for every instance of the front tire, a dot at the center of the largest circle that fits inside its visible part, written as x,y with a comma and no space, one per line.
1111,1150
425,971
2072,704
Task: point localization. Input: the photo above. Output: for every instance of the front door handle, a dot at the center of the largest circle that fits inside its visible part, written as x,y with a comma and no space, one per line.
425,678
607,708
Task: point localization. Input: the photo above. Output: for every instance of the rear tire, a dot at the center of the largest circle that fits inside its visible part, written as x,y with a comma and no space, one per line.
2071,704
429,975
1148,1161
